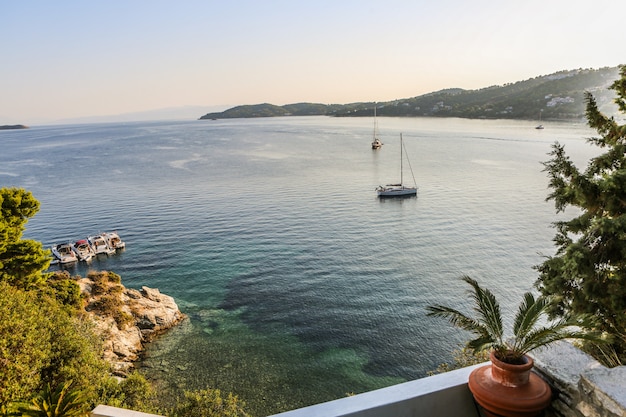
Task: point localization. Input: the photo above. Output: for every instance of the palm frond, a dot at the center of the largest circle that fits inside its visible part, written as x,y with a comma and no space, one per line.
487,308
487,326
483,343
456,318
561,330
528,314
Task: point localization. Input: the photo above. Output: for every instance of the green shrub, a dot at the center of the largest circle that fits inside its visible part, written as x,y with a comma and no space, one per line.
208,403
64,289
42,343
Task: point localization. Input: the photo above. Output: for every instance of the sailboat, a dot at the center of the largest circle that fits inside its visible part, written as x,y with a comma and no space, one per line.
376,143
398,190
539,126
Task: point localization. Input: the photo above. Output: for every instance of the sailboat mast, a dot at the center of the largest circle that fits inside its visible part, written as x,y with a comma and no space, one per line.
401,146
375,124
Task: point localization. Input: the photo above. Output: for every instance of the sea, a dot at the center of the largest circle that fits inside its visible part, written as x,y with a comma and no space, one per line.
300,285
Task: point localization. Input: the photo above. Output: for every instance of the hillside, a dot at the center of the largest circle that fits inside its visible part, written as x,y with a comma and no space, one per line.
556,96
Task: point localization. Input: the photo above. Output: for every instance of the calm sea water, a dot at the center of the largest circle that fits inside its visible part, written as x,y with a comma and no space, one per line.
300,285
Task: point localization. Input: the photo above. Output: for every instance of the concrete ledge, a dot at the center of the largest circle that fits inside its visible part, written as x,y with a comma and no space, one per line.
107,411
435,396
582,386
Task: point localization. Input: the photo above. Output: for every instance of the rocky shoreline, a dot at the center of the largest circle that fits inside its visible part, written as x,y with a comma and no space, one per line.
130,320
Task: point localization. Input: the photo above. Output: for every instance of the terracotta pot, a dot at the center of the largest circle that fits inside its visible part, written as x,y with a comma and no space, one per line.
502,389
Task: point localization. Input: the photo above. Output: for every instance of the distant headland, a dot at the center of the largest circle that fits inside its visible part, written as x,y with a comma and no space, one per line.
11,127
558,96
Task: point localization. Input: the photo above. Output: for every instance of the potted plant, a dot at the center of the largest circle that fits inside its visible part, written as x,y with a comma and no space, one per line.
507,387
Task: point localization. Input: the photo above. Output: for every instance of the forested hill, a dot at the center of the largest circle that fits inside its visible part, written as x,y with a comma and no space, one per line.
555,96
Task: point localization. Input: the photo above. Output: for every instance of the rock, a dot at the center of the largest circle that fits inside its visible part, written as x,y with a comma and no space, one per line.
126,318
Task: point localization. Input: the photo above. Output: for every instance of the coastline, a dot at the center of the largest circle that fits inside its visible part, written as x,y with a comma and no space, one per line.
126,319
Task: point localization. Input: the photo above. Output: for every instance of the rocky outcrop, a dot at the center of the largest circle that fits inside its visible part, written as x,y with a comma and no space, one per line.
126,318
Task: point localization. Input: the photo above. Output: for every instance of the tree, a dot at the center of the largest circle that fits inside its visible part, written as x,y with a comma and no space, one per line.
528,333
22,262
588,272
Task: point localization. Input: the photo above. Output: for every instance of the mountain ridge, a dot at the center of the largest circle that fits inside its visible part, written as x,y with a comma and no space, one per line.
557,96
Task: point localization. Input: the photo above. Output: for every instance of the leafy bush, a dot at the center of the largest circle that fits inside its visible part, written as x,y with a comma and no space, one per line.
41,343
134,392
64,289
25,343
208,403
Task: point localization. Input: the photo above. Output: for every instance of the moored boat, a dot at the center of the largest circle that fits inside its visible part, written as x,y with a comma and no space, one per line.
63,253
99,245
113,240
398,190
83,250
376,142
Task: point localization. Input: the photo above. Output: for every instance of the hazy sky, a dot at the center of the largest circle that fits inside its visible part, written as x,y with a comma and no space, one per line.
69,59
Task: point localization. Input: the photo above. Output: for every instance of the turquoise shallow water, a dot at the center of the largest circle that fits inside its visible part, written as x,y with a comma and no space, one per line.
300,285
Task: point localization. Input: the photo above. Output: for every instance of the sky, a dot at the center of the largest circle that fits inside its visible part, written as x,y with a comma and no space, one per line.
66,60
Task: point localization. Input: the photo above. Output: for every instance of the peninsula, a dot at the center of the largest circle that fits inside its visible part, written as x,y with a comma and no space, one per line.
12,127
558,96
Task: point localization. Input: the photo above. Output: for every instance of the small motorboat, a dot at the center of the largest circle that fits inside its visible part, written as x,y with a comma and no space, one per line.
113,240
100,245
83,250
64,253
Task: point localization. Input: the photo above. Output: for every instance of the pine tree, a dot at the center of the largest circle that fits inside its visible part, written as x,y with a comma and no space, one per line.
588,272
22,262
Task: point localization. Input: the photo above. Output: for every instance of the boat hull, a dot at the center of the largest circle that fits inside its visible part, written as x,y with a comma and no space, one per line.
397,192
100,246
113,240
83,250
64,254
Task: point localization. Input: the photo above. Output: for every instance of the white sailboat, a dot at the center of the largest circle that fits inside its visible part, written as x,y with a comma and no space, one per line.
539,126
399,190
376,143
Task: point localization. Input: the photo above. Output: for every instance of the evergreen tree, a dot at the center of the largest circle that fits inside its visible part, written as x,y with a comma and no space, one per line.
22,262
588,272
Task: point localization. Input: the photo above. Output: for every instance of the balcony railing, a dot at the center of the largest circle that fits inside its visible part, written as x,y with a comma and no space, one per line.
440,395
580,387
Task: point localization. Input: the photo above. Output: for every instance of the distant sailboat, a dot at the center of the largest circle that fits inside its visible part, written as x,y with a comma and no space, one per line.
376,143
399,190
539,126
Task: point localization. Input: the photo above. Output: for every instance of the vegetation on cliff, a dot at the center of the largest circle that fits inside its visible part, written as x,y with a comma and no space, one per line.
52,349
555,96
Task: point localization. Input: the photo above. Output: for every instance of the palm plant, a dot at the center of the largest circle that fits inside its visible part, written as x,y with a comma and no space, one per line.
61,402
528,333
